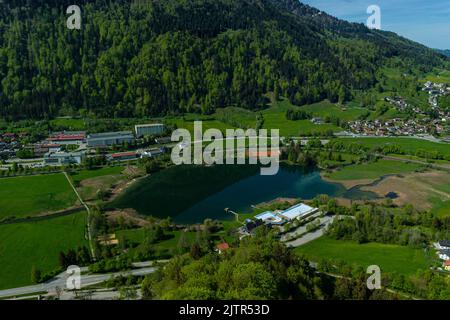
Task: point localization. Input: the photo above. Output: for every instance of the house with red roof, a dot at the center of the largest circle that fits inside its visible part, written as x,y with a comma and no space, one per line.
221,247
447,265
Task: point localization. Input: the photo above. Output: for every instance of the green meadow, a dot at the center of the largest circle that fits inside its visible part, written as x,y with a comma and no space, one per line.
28,244
327,109
390,258
409,145
79,176
69,124
137,236
374,170
31,195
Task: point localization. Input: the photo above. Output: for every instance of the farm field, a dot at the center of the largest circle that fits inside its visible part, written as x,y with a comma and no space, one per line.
374,170
28,196
23,245
390,258
409,145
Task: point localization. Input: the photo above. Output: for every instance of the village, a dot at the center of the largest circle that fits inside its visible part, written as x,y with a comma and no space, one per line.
433,121
73,147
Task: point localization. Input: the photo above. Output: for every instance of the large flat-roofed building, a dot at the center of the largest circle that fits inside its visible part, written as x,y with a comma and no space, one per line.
149,129
298,211
67,138
270,218
62,158
107,139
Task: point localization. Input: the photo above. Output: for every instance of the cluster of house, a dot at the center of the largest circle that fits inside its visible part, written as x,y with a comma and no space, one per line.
278,218
51,148
395,127
10,143
443,251
435,90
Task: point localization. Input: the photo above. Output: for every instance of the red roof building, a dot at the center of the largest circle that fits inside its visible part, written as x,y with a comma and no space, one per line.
222,247
67,137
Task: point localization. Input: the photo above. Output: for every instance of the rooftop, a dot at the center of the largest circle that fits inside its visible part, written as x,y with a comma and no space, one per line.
124,154
444,243
297,211
149,125
269,217
110,134
223,246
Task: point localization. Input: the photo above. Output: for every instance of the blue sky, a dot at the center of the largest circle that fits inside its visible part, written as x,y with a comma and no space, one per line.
424,21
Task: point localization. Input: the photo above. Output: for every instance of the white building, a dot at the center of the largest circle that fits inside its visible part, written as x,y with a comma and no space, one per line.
298,211
269,217
444,255
443,245
109,139
149,129
62,158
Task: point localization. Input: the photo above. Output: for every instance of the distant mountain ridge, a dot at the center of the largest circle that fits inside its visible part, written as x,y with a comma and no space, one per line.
444,52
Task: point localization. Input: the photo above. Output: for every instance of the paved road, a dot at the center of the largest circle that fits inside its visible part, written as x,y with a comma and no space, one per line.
60,282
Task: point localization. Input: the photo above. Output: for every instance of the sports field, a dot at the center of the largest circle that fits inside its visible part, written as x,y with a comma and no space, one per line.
31,195
390,258
28,244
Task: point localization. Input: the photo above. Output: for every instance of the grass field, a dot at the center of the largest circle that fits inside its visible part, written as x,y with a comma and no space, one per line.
410,145
441,208
23,245
390,258
28,196
89,174
327,109
374,170
275,118
164,249
69,124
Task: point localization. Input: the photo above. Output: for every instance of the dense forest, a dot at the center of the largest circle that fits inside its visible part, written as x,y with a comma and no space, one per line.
156,57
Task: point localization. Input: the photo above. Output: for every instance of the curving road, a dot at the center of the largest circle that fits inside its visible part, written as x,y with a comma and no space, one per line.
86,280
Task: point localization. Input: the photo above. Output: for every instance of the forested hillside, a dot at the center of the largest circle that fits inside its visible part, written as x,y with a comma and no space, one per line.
154,57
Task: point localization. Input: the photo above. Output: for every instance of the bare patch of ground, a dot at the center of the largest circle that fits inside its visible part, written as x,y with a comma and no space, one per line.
129,216
89,187
416,189
291,201
348,184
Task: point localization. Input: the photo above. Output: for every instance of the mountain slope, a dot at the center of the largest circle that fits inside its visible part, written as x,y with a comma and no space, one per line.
444,52
153,57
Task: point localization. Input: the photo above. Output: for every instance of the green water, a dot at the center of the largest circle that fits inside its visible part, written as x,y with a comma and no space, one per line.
190,194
